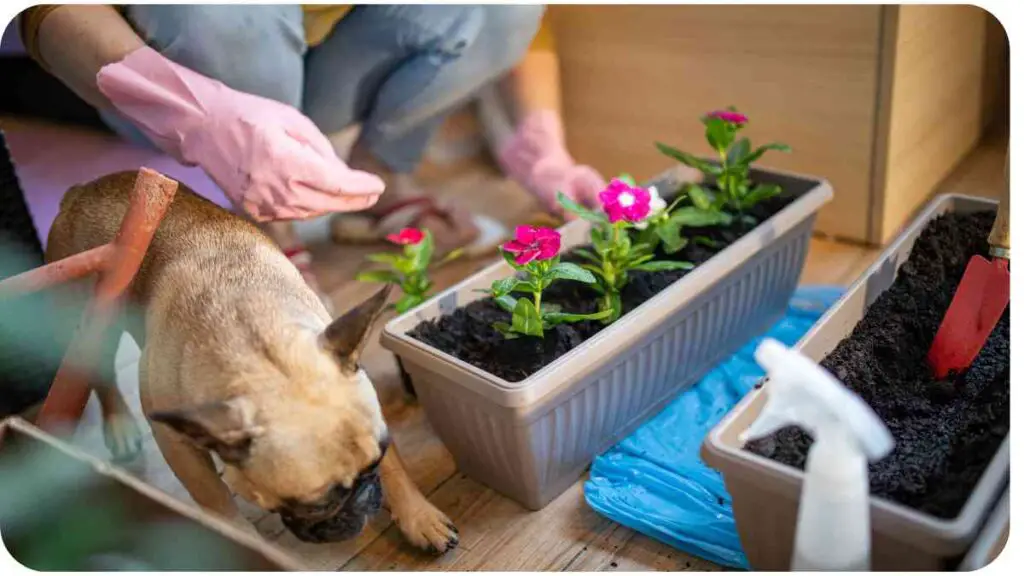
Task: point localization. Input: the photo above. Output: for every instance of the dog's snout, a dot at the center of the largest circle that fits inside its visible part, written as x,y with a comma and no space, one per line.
363,501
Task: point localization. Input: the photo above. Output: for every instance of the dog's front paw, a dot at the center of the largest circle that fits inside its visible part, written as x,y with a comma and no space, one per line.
122,436
427,528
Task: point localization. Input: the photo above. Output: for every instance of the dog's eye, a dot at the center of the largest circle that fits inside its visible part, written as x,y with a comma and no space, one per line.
372,468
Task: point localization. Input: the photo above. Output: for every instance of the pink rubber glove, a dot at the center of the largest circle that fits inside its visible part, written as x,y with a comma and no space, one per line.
535,157
269,158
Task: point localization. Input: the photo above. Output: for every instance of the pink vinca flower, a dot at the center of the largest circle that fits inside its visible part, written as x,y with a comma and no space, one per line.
406,237
729,116
624,202
533,243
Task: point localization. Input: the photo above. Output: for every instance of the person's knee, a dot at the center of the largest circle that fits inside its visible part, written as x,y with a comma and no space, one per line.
254,49
510,29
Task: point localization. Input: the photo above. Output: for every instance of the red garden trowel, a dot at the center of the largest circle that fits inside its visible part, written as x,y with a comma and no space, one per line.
979,302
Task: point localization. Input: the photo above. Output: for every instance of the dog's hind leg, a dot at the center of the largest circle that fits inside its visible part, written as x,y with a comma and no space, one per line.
121,432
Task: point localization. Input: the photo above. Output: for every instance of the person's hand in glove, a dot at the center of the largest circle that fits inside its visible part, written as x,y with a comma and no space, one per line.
536,157
269,158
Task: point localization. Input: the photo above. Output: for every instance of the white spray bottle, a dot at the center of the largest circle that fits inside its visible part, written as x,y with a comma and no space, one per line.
833,529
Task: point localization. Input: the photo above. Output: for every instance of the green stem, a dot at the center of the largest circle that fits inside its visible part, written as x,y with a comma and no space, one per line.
609,267
536,301
729,186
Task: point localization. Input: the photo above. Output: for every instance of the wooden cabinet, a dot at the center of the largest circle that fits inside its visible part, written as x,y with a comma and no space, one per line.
881,100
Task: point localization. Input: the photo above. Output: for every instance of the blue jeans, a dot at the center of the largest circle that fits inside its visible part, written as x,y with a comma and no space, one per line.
398,70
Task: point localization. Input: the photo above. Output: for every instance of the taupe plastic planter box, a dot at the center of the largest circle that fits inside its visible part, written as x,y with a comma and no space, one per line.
992,538
532,439
765,494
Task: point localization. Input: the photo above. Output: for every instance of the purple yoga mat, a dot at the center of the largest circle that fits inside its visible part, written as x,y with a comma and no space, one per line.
49,159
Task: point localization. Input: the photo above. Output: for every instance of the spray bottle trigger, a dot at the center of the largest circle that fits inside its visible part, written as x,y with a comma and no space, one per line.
769,421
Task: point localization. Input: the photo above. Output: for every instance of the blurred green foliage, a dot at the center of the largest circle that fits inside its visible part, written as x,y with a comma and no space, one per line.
58,514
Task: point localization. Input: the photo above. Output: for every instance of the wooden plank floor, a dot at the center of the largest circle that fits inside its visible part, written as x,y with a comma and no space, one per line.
496,533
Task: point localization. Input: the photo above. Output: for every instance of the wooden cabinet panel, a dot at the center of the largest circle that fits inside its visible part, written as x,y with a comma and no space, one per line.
806,75
884,101
936,111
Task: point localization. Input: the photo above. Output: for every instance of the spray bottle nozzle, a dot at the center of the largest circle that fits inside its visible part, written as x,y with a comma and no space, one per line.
802,393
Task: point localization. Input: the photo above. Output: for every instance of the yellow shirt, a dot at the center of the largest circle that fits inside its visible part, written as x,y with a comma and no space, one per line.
320,19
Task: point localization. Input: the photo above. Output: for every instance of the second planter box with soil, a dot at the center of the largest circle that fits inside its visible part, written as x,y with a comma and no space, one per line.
930,496
526,416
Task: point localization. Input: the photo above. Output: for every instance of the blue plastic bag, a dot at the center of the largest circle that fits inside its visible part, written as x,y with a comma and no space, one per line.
655,482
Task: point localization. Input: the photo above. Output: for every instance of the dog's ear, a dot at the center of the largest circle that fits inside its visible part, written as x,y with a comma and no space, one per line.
226,428
347,335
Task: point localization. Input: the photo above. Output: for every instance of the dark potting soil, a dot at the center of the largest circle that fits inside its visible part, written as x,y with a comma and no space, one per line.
468,332
946,432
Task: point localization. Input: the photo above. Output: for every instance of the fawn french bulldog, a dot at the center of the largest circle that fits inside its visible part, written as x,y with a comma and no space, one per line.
240,358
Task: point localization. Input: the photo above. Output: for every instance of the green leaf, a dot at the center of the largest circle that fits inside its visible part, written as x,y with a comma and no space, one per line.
664,266
671,240
510,258
505,329
523,286
640,249
504,286
685,158
718,133
383,276
627,179
565,318
705,241
587,255
760,193
588,215
570,271
694,217
739,151
597,236
408,302
453,255
419,283
384,258
679,198
506,303
640,260
756,154
552,308
525,319
699,197
721,199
